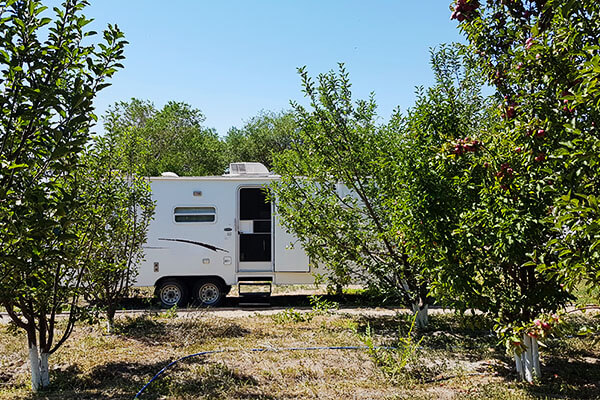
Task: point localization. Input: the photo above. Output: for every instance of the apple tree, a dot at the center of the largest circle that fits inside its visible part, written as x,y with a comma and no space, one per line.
448,118
535,233
114,219
49,76
373,201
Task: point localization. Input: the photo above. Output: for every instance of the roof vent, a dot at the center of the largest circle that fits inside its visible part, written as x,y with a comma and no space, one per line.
169,175
248,168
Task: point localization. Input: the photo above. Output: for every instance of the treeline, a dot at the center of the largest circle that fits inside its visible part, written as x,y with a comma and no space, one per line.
174,138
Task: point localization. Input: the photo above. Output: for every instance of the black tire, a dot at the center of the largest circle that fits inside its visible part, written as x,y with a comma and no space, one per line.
209,292
172,292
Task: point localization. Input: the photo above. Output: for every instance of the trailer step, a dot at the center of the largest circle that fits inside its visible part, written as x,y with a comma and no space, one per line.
255,278
253,297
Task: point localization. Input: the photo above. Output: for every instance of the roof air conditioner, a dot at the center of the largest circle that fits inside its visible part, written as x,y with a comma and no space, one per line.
248,168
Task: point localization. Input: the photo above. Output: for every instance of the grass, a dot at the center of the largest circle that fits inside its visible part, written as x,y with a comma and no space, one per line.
454,357
586,294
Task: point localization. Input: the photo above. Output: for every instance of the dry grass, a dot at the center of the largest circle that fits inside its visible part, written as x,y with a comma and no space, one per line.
457,359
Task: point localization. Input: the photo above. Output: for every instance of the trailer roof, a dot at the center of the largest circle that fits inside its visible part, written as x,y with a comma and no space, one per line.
216,178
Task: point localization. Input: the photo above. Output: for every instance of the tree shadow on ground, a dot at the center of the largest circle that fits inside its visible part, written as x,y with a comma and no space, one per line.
345,300
191,379
145,301
301,301
573,376
561,378
466,335
109,381
570,369
152,330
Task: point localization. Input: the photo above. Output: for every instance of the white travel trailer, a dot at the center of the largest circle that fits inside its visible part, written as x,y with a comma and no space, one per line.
210,233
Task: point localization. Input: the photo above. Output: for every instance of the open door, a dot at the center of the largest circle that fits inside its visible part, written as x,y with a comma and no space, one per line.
289,253
254,231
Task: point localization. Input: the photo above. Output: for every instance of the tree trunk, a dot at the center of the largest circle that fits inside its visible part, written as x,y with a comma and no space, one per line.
34,361
339,289
110,319
518,363
422,316
44,372
528,362
536,358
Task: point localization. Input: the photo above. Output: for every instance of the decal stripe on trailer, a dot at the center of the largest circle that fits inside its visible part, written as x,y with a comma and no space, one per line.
208,246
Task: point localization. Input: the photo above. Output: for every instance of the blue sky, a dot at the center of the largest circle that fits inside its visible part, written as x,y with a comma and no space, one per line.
232,59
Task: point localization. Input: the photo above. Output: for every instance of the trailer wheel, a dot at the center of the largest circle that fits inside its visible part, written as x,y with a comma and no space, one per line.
209,292
172,292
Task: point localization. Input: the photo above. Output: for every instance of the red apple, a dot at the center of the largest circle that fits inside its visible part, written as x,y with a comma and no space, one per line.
528,43
545,326
540,157
540,133
510,112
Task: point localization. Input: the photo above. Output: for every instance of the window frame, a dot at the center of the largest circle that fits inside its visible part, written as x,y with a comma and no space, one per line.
195,206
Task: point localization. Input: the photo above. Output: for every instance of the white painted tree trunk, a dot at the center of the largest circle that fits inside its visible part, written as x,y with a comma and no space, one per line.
44,372
528,362
535,355
110,320
518,364
422,316
527,359
34,365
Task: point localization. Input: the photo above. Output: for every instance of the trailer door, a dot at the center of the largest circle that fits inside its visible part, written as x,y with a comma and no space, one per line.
254,231
289,253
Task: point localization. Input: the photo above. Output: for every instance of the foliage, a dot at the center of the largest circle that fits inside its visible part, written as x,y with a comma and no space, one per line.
319,305
322,306
395,361
290,315
170,313
262,136
448,117
511,335
170,139
536,227
503,241
47,90
543,56
387,202
117,209
336,208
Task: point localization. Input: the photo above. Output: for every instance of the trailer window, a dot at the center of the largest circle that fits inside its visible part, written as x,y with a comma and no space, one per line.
195,214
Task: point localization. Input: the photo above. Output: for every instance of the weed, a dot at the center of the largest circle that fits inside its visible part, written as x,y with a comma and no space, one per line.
171,313
291,315
354,291
321,306
394,361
